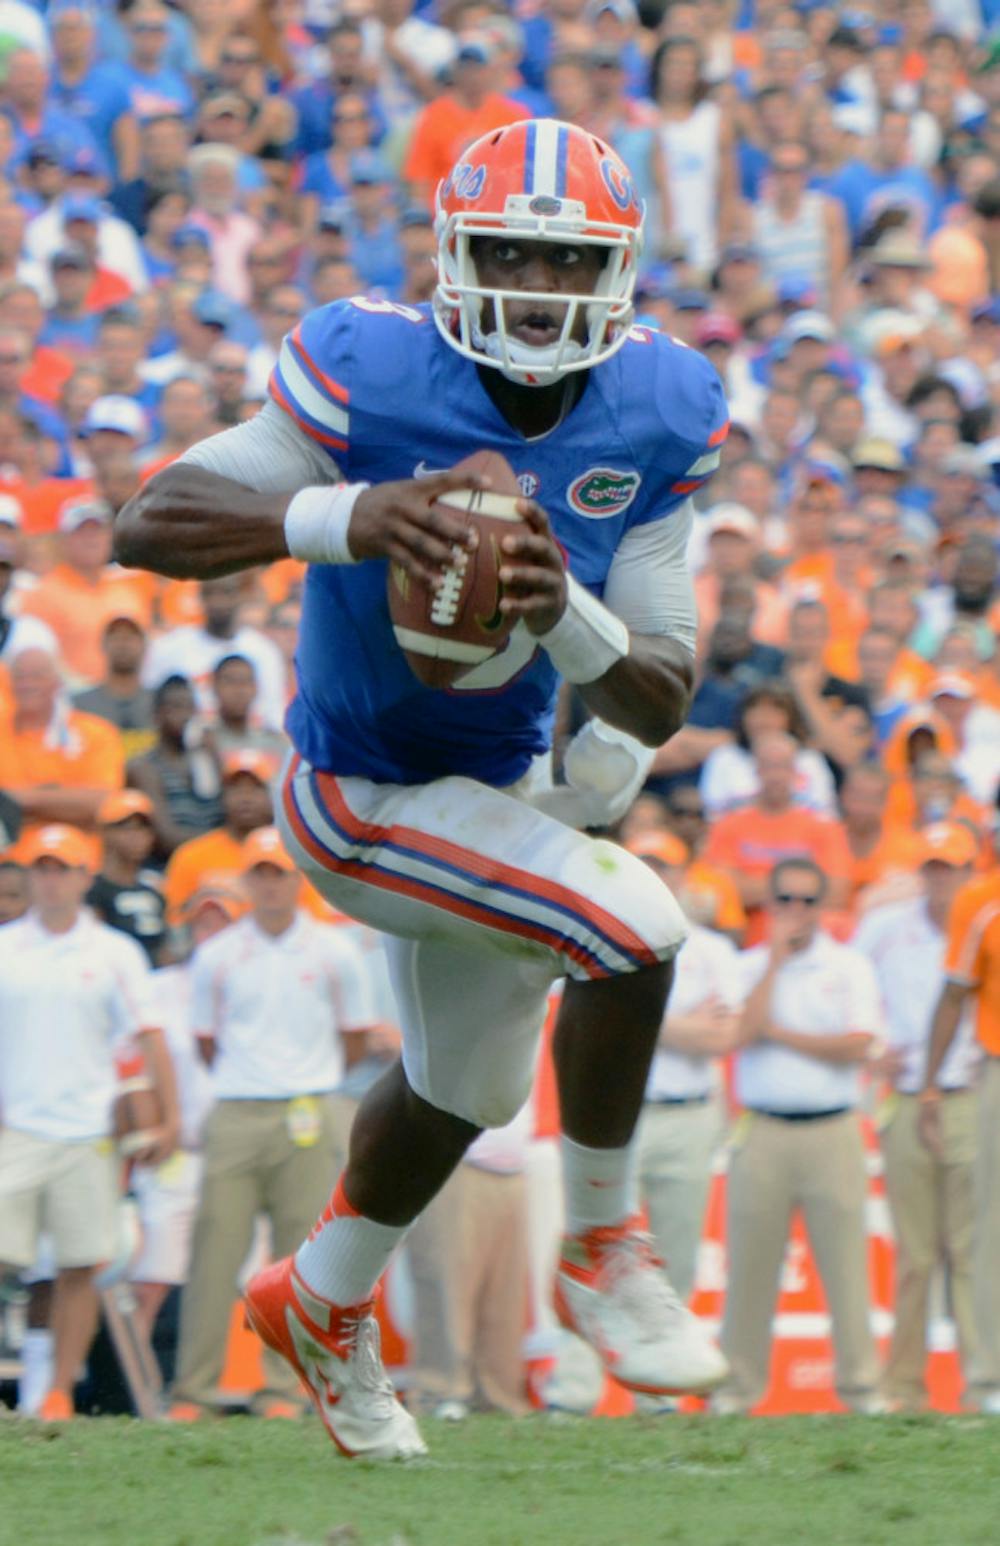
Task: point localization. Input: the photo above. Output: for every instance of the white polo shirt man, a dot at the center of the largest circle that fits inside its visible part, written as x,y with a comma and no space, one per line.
681,1122
810,1021
930,1195
272,999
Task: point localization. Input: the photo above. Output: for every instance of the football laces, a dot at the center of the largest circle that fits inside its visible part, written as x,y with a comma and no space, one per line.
444,607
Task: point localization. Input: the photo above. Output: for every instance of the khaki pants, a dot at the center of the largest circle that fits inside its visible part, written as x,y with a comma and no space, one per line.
676,1144
932,1215
777,1167
252,1166
984,1377
469,1258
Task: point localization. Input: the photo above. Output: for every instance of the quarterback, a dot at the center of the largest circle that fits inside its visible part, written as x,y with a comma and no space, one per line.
431,814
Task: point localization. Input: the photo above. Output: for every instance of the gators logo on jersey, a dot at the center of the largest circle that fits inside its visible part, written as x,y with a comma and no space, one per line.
603,491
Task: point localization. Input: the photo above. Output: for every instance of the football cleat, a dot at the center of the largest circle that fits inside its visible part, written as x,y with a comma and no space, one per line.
56,1408
335,1351
612,1291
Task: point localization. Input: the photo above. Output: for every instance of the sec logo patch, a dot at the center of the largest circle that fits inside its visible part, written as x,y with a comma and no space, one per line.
529,484
603,491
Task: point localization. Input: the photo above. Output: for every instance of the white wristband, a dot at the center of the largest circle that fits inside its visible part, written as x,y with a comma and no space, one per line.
316,523
587,640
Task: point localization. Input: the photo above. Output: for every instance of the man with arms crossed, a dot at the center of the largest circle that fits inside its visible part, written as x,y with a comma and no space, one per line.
410,809
71,990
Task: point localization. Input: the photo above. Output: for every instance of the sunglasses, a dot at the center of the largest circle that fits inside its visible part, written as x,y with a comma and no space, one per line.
240,59
350,117
790,898
845,539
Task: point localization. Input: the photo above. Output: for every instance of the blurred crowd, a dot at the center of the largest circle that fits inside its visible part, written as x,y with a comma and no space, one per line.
179,183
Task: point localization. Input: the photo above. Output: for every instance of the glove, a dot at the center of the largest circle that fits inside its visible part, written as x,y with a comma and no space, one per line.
605,769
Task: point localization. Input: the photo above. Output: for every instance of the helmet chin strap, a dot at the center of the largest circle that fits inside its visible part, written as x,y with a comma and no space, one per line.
527,358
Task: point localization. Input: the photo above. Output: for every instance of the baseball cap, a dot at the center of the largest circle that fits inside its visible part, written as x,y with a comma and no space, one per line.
332,217
189,235
716,327
947,842
369,168
265,847
226,104
737,252
81,206
413,215
472,51
75,512
897,250
213,309
689,300
735,518
797,290
84,161
663,846
877,453
43,152
121,415
71,255
59,841
625,10
249,761
122,805
808,324
952,684
963,462
221,893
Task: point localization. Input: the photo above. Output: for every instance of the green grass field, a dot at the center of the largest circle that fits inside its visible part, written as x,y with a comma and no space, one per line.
836,1481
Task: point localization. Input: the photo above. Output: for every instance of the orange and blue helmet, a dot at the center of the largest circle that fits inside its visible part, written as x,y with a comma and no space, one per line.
538,180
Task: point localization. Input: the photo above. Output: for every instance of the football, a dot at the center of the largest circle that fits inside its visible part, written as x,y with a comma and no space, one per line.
447,632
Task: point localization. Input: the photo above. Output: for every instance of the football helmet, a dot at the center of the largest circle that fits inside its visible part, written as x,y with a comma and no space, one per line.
547,181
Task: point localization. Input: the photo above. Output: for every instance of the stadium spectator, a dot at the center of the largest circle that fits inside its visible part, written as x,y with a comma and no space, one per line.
122,893
972,971
930,1196
274,1136
799,231
750,841
456,117
246,805
811,1018
119,696
681,1123
14,896
195,651
185,411
180,772
729,777
82,593
167,1197
236,727
56,1162
56,763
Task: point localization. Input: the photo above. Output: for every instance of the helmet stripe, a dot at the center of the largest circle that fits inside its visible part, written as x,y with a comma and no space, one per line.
529,158
562,151
547,132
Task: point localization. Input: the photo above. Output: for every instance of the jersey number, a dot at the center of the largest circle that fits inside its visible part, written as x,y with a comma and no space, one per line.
387,308
500,669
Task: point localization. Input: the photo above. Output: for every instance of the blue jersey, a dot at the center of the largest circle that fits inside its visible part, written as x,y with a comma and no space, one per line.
376,386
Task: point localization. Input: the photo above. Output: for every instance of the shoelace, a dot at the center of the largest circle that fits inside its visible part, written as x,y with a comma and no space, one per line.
366,1362
634,1273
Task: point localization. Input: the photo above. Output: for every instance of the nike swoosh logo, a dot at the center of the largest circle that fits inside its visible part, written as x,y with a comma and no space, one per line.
421,470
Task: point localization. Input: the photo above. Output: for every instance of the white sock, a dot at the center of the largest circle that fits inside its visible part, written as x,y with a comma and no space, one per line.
346,1253
36,1371
598,1184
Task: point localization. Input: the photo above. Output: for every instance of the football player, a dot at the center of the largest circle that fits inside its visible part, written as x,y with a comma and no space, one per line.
430,815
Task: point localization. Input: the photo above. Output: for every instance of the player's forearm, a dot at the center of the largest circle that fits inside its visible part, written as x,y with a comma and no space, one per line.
192,524
946,1020
851,1047
647,692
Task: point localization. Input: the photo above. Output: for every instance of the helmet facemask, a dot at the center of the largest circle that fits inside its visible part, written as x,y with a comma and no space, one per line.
460,298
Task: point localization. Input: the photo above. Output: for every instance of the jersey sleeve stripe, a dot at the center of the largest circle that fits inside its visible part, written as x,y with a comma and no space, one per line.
704,465
688,486
718,435
327,382
305,394
332,442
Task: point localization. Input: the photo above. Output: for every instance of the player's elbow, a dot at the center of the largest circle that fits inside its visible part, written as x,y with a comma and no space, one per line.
660,720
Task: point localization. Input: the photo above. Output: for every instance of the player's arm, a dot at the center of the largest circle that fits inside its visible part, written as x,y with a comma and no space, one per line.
633,658
263,491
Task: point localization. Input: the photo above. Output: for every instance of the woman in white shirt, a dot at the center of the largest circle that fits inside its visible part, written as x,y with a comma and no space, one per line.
695,165
729,777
